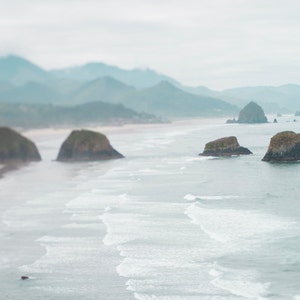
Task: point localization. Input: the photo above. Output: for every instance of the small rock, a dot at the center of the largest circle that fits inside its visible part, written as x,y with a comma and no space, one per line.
226,146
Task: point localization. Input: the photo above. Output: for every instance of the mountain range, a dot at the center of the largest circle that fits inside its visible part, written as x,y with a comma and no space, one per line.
164,98
144,91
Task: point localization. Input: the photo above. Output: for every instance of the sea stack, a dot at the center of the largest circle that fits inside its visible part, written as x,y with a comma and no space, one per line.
15,148
284,147
226,146
87,145
252,113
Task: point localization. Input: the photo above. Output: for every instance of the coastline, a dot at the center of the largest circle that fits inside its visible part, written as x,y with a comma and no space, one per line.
42,135
119,129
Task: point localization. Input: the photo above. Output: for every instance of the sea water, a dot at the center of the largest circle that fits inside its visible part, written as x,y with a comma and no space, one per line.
163,223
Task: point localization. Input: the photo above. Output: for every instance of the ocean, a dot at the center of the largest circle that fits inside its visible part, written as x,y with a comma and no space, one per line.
163,223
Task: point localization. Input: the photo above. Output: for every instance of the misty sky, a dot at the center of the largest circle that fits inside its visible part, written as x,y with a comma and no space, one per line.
215,43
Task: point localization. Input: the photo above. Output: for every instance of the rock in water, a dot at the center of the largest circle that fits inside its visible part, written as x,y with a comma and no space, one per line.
252,113
226,146
86,145
284,147
16,148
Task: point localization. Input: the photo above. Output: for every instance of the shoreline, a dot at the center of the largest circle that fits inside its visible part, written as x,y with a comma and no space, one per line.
42,135
118,129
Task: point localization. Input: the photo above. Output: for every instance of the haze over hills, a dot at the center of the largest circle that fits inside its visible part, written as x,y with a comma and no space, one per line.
139,78
106,89
19,71
141,90
284,98
163,99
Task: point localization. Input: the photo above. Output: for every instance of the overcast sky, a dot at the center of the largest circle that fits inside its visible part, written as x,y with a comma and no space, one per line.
215,43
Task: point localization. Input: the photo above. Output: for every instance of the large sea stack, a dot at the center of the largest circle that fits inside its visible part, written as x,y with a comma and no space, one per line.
284,147
86,145
226,146
252,113
15,148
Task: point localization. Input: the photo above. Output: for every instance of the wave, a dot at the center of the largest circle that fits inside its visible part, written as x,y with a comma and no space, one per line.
242,283
225,225
191,197
141,296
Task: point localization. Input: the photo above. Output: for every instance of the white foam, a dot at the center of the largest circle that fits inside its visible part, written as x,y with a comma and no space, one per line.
82,226
191,197
117,233
224,225
239,282
108,208
141,296
244,288
199,158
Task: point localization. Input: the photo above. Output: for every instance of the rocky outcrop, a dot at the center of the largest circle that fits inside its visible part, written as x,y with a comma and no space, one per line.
86,145
284,147
15,148
252,113
226,146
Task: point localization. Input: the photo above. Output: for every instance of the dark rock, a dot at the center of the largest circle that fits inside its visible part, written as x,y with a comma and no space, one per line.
226,146
86,145
231,121
24,277
275,121
284,147
252,113
16,148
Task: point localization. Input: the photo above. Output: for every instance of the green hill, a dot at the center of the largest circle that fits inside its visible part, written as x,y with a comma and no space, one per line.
94,113
105,89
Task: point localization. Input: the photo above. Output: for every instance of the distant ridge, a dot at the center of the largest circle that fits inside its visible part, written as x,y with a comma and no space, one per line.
165,99
138,78
21,81
19,71
106,89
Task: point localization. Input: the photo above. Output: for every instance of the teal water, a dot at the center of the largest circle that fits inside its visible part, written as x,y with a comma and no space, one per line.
163,223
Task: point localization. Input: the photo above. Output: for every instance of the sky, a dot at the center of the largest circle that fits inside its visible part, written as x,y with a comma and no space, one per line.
215,43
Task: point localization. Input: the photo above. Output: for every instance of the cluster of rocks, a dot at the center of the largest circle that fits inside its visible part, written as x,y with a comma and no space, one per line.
81,145
86,145
284,147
